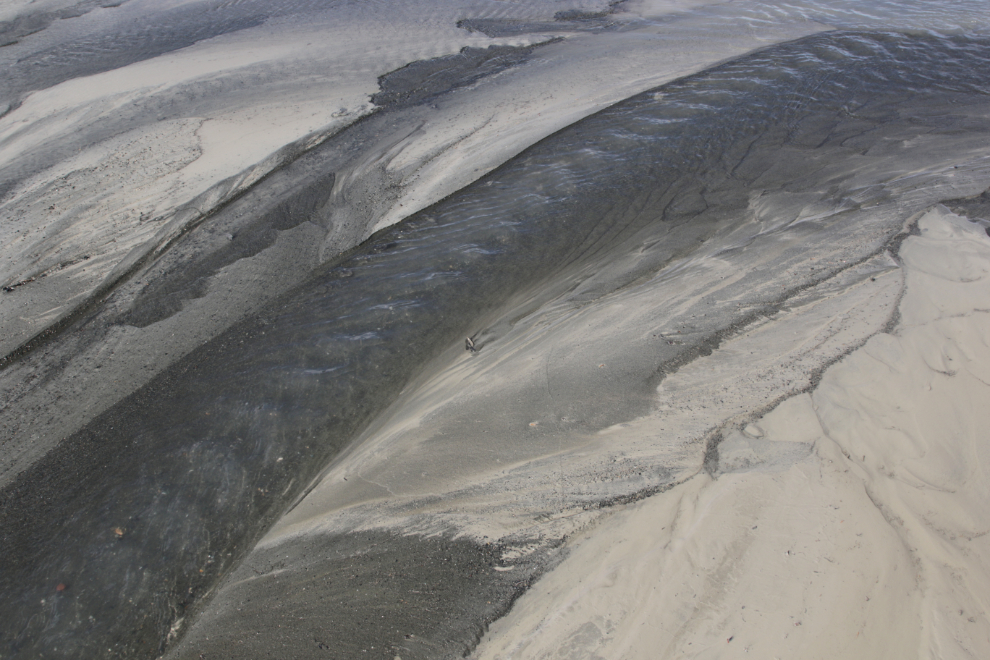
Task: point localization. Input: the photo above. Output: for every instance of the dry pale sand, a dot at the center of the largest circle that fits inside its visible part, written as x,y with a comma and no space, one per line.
850,522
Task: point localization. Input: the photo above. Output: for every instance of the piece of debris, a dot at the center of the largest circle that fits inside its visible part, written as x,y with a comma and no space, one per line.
11,287
469,345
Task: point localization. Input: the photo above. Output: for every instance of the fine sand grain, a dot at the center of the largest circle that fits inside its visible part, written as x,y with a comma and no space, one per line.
848,523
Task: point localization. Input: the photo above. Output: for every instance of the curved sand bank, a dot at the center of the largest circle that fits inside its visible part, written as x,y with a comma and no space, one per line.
528,443
850,522
110,178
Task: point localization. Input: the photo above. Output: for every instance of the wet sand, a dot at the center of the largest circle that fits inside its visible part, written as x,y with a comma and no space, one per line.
91,254
517,442
734,360
847,522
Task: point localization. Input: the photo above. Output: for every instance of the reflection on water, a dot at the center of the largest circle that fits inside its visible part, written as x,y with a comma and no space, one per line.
110,538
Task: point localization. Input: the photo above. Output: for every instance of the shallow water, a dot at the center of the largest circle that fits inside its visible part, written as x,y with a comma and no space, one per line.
115,534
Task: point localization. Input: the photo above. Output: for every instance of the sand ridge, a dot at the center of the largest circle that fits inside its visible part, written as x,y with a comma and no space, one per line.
111,170
872,544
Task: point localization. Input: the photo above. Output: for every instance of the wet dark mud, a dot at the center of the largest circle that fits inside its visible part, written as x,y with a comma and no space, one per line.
373,595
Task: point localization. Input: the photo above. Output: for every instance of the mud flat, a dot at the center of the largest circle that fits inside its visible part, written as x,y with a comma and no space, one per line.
154,203
253,411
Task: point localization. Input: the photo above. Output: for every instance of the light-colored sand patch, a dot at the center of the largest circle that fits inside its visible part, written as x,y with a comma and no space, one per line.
241,98
502,473
501,442
873,545
709,570
502,468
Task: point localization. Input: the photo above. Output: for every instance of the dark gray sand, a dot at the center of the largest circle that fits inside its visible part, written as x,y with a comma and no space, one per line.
317,204
366,595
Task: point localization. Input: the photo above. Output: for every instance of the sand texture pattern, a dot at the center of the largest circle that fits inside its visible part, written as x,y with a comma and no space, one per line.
428,329
869,542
